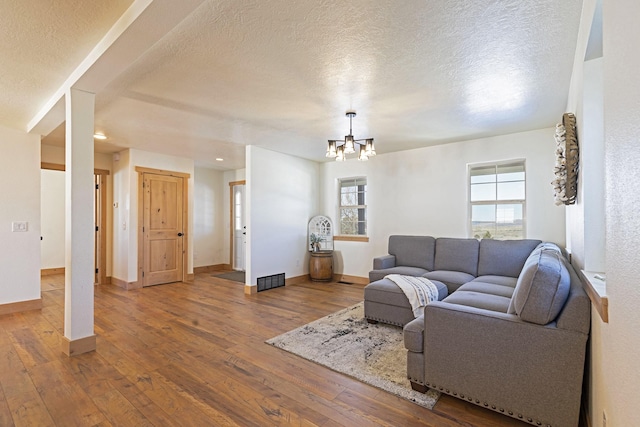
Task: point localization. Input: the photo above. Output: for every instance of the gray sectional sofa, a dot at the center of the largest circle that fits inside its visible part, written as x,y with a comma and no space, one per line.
509,331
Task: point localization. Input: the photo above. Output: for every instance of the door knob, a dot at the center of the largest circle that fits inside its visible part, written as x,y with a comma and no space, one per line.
180,234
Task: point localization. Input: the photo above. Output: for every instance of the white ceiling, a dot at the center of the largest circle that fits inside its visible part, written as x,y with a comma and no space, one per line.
41,43
282,74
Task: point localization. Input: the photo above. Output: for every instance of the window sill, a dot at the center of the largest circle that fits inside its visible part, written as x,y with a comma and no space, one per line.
597,291
352,238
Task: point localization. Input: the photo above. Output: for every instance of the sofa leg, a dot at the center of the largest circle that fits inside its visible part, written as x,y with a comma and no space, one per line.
419,387
373,322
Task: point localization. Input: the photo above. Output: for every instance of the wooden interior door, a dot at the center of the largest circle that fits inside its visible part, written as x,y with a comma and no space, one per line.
162,229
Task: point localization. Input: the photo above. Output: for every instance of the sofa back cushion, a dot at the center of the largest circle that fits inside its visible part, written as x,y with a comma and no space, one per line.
542,287
457,255
413,251
504,257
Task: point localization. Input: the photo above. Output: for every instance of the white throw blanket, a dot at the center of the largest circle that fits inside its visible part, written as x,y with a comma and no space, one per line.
419,290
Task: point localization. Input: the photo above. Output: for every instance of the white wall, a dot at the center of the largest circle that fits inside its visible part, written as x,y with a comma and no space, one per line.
424,192
20,189
125,217
120,215
614,374
615,346
592,167
52,205
585,219
209,228
281,199
54,154
51,154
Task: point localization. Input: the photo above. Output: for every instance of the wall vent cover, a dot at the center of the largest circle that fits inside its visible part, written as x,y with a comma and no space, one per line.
270,282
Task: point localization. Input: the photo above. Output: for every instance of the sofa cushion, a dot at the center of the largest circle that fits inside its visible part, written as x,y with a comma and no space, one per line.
385,261
498,280
548,246
542,288
457,255
504,257
386,292
375,275
479,300
487,288
544,246
413,333
413,251
453,279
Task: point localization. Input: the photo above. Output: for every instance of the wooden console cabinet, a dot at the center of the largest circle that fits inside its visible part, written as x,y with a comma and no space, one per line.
321,266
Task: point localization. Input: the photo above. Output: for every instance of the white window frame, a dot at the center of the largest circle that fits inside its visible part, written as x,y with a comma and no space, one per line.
497,202
359,206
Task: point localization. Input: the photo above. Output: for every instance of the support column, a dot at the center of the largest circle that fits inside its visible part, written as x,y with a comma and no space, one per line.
79,336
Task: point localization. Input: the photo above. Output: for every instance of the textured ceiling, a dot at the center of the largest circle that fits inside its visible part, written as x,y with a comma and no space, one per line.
281,75
41,43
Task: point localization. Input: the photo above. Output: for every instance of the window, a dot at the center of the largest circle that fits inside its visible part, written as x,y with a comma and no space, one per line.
353,206
497,200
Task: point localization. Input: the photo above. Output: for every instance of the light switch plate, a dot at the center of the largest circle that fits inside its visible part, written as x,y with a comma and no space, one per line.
17,226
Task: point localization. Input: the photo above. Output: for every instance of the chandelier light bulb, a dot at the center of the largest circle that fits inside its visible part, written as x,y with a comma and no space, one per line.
362,155
370,149
331,149
349,146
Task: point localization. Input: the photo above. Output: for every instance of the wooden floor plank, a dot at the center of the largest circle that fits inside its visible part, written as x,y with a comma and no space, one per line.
5,412
67,403
193,354
127,387
31,350
22,398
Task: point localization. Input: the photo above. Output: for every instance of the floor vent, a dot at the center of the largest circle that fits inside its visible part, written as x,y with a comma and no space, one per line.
270,282
345,283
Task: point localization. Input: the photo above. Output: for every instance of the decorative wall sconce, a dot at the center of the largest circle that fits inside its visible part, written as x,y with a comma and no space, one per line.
567,161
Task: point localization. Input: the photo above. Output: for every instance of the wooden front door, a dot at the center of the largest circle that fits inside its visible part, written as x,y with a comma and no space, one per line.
162,229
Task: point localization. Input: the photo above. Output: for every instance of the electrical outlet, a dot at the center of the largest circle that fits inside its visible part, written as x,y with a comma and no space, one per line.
604,419
19,226
297,263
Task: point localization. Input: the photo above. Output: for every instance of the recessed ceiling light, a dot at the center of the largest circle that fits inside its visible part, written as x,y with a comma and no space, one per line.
99,136
219,159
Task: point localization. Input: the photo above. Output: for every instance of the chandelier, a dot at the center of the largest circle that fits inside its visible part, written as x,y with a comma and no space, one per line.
338,148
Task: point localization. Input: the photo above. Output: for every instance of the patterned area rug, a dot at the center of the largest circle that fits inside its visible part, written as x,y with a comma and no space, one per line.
346,343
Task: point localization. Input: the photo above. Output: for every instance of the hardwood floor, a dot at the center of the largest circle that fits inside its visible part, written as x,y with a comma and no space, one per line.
194,355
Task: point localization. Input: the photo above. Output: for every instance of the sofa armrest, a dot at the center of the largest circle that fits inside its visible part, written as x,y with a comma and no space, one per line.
382,262
500,360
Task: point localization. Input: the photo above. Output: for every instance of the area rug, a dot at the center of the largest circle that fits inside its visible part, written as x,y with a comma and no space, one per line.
236,276
346,343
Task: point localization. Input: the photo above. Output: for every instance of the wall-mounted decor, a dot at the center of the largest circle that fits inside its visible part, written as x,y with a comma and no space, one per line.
567,160
320,234
321,247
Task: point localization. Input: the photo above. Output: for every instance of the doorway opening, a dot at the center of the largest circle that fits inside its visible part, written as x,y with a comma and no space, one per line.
238,226
53,211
